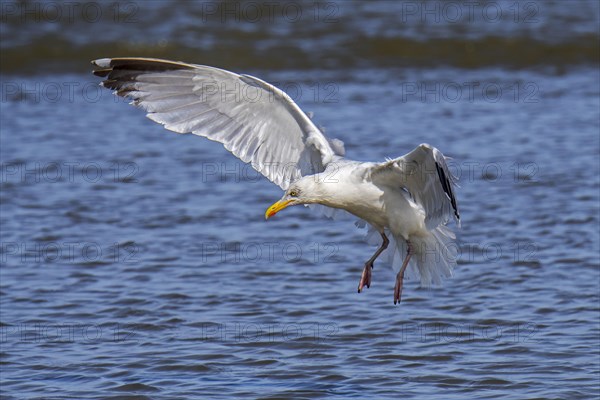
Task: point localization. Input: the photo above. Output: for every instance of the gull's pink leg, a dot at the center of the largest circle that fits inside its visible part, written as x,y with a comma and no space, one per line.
400,275
365,279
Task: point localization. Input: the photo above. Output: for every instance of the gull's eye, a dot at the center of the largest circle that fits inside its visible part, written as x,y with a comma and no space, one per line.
294,193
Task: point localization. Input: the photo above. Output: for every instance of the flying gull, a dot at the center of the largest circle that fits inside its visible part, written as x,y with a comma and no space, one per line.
407,201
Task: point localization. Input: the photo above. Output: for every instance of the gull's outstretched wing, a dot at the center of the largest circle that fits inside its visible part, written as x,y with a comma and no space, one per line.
257,122
424,174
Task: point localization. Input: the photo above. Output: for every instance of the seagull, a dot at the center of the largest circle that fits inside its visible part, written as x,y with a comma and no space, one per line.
407,201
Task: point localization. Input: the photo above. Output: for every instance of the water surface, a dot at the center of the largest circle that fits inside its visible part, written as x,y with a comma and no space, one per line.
137,262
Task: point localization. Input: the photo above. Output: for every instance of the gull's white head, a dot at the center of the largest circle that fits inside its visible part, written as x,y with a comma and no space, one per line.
303,191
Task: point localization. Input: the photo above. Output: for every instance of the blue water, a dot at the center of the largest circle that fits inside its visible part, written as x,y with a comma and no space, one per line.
136,263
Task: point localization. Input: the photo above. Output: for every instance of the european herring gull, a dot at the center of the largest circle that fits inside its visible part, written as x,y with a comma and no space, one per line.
409,198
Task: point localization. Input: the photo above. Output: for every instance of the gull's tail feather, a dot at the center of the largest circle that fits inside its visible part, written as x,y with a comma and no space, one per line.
434,256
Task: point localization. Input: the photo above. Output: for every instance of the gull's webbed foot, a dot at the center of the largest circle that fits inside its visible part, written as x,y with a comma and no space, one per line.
400,275
398,287
365,279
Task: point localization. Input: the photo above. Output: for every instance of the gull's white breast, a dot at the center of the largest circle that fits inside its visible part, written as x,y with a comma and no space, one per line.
349,186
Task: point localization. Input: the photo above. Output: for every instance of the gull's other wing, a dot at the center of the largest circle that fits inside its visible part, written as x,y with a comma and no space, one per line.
424,174
257,122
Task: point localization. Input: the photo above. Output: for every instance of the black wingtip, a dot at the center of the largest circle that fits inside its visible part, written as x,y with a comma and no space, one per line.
447,186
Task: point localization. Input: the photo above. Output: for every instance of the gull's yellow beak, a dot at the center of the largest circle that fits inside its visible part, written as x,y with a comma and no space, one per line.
276,207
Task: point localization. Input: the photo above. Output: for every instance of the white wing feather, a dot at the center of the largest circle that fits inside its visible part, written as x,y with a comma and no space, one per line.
257,122
425,175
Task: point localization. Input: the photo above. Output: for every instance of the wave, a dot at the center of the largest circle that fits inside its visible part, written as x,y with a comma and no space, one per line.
45,37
